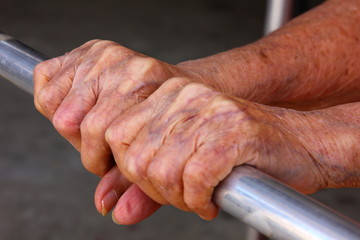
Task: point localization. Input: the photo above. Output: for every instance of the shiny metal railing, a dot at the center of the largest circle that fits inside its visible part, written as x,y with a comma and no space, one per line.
17,62
278,12
248,194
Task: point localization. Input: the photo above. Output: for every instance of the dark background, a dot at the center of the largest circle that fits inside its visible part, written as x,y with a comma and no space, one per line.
44,191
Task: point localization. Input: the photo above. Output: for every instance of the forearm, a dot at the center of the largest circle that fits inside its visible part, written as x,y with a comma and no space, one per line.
312,62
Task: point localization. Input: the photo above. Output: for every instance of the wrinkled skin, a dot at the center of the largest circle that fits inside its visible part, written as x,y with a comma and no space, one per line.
82,95
178,144
99,78
185,138
76,91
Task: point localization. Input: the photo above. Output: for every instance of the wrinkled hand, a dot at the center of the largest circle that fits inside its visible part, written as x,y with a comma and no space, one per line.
179,143
176,145
82,92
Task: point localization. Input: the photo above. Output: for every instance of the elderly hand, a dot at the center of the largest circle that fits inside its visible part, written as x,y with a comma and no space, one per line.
83,91
179,143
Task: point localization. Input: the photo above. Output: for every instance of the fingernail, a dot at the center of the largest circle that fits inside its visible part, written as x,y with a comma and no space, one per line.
109,202
113,218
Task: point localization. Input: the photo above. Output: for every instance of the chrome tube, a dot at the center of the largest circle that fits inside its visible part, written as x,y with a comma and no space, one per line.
278,12
278,211
17,62
264,203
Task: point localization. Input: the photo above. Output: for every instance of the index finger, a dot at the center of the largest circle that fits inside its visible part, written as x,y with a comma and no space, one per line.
43,73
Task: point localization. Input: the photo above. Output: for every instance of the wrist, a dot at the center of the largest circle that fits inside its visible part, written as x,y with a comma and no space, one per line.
248,72
332,141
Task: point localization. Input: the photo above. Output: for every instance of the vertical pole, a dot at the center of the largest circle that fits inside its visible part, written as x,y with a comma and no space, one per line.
278,12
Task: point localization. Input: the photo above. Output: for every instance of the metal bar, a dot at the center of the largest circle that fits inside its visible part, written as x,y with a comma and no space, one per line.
278,12
278,211
255,198
17,62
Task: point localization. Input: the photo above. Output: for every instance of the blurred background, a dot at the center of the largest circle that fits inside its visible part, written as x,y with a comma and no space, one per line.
45,194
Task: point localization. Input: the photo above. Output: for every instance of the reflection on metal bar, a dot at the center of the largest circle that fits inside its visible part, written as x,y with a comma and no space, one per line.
279,212
278,12
255,198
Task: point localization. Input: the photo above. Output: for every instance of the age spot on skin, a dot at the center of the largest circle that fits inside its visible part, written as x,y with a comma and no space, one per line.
264,57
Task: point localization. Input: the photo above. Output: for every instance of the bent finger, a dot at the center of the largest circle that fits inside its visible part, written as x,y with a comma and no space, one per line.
109,190
203,172
71,112
43,73
53,79
134,206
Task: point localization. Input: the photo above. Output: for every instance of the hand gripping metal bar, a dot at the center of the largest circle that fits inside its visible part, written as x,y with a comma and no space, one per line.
257,199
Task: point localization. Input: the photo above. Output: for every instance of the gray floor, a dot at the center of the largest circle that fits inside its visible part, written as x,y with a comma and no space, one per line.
44,191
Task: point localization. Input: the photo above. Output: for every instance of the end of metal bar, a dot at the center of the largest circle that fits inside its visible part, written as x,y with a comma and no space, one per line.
17,62
278,13
4,37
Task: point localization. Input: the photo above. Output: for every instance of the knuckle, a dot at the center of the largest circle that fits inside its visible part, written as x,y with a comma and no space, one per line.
123,129
194,89
93,126
145,66
113,135
41,67
143,62
47,68
177,82
224,106
134,168
90,43
66,123
160,176
194,86
109,48
45,100
223,102
93,166
110,136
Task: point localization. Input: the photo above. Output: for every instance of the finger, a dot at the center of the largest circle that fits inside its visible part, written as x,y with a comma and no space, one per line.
53,79
117,91
71,112
210,164
43,73
96,154
124,130
121,137
135,164
109,190
134,206
166,169
162,148
217,152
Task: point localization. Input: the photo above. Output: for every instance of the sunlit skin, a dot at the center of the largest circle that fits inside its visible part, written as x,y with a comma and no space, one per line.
168,134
